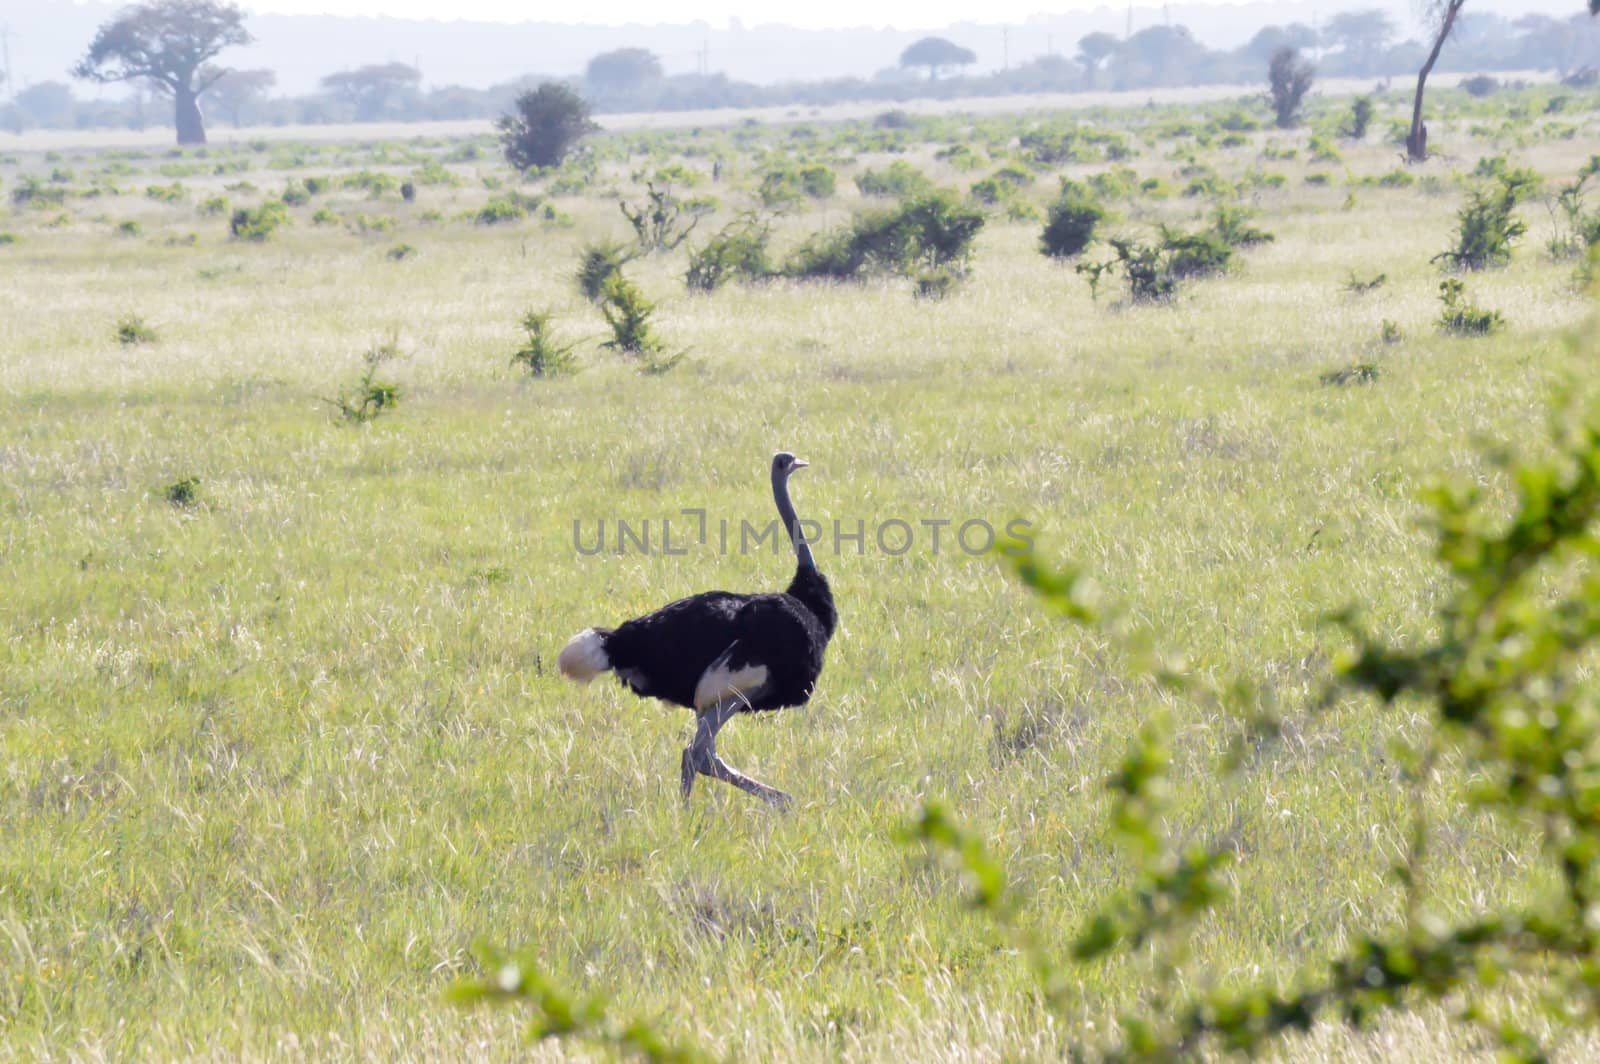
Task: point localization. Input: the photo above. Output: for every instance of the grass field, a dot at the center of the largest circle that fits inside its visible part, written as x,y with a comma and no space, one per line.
270,762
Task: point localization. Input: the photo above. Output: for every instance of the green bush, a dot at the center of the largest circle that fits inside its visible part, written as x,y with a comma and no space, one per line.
173,193
627,313
1355,373
132,329
1144,267
786,186
364,223
1360,118
1460,317
370,397
434,174
1577,228
260,223
818,181
1119,182
1070,225
31,192
737,252
900,180
1154,271
597,265
942,228
1002,184
936,284
1357,285
540,354
376,184
926,232
1487,226
1194,254
1232,226
182,493
662,221
1324,152
501,210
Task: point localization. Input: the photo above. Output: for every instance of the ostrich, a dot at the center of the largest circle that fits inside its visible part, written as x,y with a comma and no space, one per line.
721,654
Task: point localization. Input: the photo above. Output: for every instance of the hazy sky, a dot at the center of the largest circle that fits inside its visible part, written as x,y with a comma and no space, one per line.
810,14
806,14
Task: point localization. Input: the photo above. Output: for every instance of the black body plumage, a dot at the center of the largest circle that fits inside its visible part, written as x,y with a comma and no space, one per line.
722,654
666,653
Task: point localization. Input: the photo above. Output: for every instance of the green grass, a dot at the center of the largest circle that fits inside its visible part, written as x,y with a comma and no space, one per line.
270,764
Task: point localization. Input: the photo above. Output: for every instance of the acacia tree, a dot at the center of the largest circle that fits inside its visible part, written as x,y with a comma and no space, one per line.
934,53
48,103
234,90
165,43
1442,17
1361,37
369,88
1270,40
623,71
1093,51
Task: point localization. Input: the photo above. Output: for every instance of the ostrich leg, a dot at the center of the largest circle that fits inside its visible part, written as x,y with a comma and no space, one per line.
701,757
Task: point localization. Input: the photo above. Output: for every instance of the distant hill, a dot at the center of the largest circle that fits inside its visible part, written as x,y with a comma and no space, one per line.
48,36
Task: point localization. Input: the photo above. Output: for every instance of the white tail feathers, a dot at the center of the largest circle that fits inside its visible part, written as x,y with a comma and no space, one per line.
584,656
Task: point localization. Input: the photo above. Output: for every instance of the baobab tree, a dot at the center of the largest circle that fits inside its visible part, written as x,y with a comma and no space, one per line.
165,43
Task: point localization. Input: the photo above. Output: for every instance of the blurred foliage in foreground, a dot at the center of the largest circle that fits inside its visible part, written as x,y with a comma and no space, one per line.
1505,686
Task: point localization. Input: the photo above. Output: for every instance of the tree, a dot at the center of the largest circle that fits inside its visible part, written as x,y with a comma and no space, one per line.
1562,45
368,89
543,126
934,53
234,90
1093,51
1361,37
623,71
1289,79
48,103
1272,39
1442,16
1160,55
166,42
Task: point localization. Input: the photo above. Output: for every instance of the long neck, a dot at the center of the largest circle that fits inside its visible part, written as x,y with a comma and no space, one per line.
791,523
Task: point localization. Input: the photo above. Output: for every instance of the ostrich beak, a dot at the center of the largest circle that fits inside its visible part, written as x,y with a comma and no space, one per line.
799,463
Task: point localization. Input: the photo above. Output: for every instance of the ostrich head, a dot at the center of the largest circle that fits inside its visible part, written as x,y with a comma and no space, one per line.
784,463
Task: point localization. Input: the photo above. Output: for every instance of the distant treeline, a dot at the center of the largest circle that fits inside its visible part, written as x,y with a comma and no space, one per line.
1352,44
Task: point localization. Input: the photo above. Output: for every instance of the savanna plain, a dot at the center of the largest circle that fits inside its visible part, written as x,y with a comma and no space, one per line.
281,735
